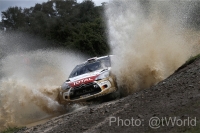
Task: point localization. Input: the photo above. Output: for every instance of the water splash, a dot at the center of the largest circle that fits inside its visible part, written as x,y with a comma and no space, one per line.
28,87
151,40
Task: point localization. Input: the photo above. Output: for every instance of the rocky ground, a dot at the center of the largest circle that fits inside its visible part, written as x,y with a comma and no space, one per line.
176,99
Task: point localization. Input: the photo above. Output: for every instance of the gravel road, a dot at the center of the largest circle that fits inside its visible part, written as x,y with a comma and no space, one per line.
177,98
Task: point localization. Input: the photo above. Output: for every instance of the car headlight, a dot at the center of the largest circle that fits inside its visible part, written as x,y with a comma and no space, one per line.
103,75
65,86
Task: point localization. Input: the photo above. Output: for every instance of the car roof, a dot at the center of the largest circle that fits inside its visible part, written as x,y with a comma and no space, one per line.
97,58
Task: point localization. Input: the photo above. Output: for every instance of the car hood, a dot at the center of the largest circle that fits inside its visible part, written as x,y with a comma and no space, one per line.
85,78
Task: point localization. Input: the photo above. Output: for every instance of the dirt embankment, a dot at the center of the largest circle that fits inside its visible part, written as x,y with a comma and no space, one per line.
176,98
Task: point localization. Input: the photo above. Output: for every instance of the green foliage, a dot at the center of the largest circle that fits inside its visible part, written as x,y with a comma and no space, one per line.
195,129
71,25
189,61
11,130
193,58
14,18
91,36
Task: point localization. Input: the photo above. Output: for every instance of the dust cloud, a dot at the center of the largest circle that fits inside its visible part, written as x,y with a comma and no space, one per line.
29,83
150,39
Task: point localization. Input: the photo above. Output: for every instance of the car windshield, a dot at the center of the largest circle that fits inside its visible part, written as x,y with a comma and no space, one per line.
85,68
106,62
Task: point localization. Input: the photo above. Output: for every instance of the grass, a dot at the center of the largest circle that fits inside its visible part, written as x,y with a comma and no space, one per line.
193,130
192,59
11,130
189,61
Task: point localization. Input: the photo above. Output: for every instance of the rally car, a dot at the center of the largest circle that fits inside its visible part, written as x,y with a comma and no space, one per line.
88,80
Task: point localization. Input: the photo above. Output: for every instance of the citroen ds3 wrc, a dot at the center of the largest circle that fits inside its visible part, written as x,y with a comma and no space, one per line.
88,80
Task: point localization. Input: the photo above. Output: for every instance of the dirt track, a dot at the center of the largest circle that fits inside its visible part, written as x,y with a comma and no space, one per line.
178,97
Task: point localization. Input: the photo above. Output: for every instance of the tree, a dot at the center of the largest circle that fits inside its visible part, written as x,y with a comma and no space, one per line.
13,17
70,25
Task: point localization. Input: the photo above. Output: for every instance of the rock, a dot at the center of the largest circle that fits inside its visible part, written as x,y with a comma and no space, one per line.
106,110
91,110
182,104
191,86
84,128
140,116
191,97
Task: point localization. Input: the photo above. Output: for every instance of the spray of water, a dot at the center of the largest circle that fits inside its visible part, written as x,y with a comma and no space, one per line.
29,83
151,39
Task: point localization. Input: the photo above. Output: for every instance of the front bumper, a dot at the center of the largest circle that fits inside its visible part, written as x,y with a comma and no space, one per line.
88,91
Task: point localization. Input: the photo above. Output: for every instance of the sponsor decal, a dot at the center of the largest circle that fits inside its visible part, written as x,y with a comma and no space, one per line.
83,81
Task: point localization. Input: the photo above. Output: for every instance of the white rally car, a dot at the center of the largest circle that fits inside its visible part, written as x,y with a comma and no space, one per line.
88,80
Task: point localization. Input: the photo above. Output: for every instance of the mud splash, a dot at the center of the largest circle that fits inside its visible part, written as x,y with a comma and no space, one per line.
151,39
28,87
